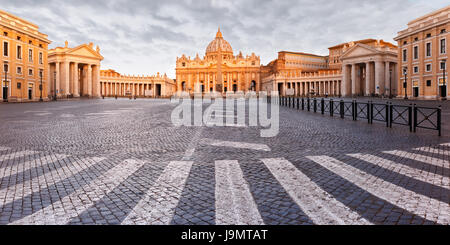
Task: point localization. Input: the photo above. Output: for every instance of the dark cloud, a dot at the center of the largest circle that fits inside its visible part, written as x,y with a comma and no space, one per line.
145,37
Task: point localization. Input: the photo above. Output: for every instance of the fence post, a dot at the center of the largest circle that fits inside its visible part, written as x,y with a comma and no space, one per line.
298,103
341,108
315,105
309,106
391,115
371,112
322,106
387,114
355,110
331,107
415,118
410,120
303,104
439,110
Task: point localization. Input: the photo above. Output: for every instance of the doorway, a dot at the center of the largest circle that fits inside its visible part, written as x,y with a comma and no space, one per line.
234,87
30,91
158,90
443,90
5,90
416,91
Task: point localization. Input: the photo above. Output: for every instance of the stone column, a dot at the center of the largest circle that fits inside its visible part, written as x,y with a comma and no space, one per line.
57,78
96,81
345,81
387,78
379,77
76,81
66,76
89,80
355,83
368,79
49,81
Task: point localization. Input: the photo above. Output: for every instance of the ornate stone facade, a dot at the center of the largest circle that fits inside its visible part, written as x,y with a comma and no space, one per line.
424,54
114,84
235,73
24,71
74,72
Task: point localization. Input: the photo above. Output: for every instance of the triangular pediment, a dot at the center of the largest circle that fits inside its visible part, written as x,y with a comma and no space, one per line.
85,51
359,50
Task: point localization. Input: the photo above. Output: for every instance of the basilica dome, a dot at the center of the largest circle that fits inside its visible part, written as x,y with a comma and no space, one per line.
219,42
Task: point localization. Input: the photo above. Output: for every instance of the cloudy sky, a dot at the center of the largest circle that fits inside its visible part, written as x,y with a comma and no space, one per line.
145,37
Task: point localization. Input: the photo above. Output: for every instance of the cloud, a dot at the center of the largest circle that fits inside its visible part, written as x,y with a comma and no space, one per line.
145,37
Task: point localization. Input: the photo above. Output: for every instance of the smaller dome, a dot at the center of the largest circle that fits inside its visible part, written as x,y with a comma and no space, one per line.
219,42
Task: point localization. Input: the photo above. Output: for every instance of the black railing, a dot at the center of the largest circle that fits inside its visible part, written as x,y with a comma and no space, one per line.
411,115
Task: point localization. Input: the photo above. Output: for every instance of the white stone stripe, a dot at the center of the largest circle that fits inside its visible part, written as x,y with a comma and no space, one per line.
433,150
412,202
446,144
321,207
421,158
3,148
405,170
17,154
234,202
71,206
15,192
24,166
169,187
243,145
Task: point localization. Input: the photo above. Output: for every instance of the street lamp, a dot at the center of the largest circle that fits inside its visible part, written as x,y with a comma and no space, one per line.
444,86
405,72
5,63
40,86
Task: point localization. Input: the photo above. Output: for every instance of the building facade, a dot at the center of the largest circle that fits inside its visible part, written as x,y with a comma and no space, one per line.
74,72
342,73
24,72
423,56
218,71
114,84
369,68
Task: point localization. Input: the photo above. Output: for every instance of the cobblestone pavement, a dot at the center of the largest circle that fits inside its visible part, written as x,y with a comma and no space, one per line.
123,162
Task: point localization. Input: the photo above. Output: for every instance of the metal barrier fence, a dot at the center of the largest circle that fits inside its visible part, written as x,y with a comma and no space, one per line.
410,115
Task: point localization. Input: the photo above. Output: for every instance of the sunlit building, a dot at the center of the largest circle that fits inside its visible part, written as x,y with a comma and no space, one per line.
23,60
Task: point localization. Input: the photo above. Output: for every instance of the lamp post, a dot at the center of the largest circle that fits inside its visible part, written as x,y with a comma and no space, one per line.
5,63
444,86
40,86
405,71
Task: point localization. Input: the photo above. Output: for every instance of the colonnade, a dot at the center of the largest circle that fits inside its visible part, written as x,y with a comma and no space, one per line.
111,89
370,78
305,88
232,81
74,79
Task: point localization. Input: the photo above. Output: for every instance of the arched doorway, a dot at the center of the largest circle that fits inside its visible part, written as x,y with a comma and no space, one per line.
253,86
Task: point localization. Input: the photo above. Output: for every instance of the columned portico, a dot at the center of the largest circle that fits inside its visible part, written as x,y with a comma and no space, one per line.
367,70
76,71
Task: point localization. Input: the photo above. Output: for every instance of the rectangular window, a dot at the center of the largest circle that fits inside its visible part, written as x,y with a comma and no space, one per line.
404,55
40,58
30,72
19,70
416,52
5,49
428,49
5,68
30,55
442,49
442,65
416,69
428,67
19,52
428,83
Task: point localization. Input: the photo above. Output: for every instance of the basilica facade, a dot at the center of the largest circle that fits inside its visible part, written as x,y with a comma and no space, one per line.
218,71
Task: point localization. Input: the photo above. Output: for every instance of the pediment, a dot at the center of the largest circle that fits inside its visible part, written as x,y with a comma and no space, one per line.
85,51
359,50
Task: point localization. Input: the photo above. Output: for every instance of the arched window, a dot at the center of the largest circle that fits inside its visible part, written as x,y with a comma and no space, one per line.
183,86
